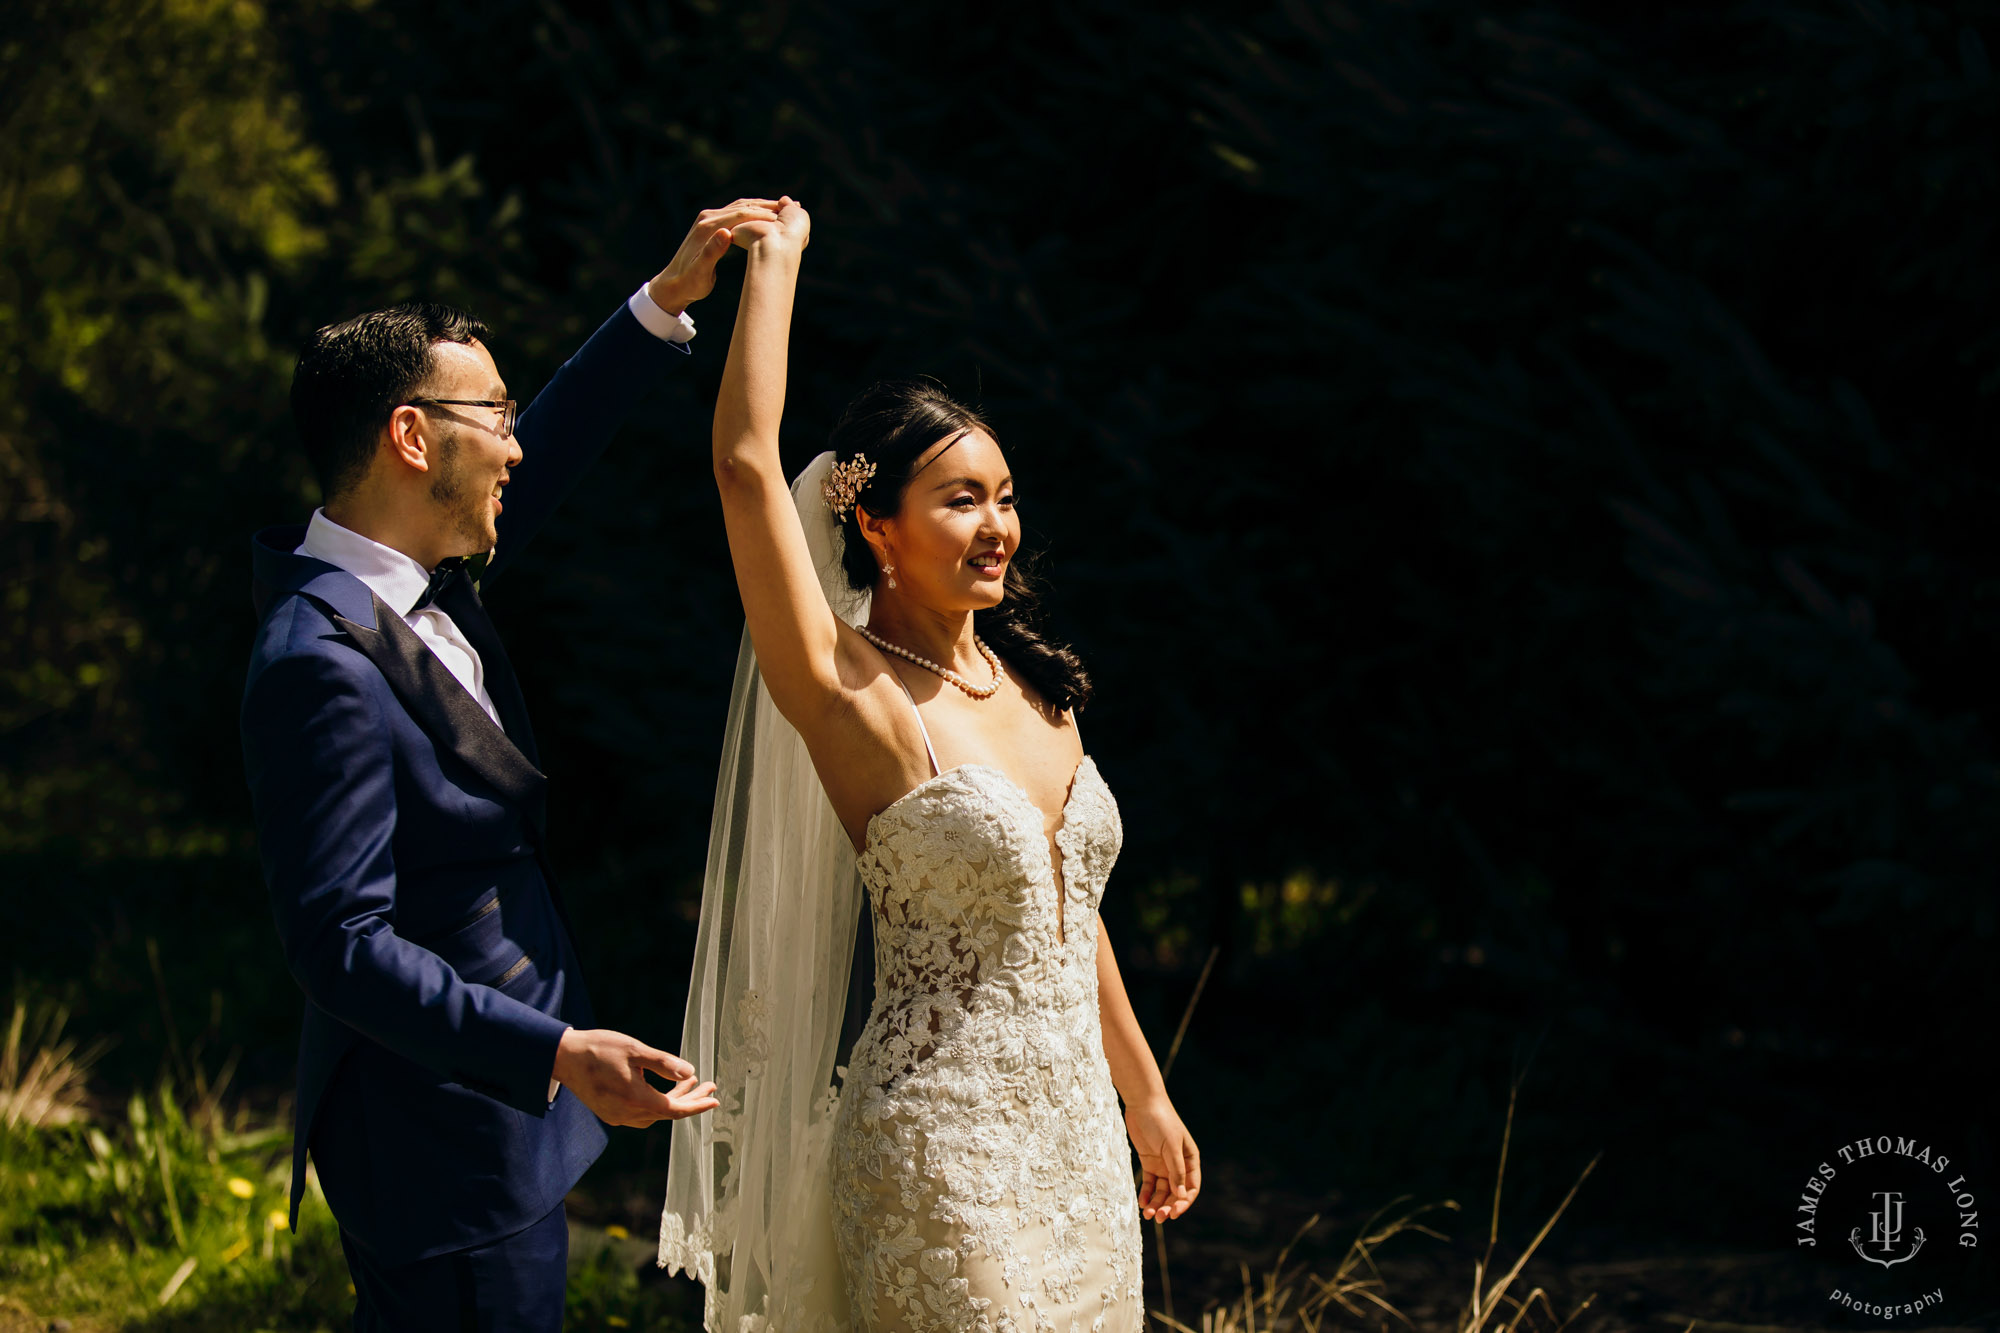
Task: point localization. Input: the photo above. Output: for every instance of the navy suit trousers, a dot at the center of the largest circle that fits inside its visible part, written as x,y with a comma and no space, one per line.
512,1285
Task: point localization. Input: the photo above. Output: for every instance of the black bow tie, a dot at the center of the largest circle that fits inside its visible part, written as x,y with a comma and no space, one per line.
447,569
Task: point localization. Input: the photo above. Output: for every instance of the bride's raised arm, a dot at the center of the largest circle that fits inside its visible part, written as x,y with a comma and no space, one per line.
795,632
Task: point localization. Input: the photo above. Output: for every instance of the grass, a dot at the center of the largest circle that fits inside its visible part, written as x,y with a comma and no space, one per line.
1287,1298
47,1087
1491,1302
169,1213
163,1217
1290,1299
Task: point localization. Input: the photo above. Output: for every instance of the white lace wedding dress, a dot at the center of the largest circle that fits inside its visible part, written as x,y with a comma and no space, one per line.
981,1176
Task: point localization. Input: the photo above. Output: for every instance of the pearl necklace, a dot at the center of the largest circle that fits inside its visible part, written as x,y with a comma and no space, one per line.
976,691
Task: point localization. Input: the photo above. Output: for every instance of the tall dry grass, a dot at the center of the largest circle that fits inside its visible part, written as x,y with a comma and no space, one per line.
1290,1298
43,1074
1491,1298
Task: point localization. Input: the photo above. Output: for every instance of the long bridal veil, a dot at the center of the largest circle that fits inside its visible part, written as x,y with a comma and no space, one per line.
748,1209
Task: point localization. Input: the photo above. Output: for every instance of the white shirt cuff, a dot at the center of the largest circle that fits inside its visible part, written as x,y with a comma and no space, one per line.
674,328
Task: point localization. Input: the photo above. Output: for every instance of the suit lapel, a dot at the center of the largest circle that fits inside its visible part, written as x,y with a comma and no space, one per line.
448,714
460,600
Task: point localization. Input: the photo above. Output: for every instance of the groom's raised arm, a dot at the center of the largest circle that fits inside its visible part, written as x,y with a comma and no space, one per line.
569,423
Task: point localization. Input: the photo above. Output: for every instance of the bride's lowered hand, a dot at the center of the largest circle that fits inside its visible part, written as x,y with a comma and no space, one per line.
1169,1162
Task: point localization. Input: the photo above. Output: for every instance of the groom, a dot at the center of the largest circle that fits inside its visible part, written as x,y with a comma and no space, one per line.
451,1080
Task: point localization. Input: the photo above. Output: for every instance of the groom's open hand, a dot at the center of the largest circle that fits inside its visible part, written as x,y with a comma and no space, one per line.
606,1071
690,274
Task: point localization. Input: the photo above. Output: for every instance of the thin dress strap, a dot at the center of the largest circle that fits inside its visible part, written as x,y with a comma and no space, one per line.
935,770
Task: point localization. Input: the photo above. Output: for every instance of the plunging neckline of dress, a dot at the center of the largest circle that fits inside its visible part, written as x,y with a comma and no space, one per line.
1058,858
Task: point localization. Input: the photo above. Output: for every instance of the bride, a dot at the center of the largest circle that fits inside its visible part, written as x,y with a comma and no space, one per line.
899,732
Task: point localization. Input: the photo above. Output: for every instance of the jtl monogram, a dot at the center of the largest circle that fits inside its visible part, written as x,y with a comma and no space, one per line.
1885,1229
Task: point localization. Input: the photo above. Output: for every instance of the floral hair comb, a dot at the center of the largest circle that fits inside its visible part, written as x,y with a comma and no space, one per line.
845,483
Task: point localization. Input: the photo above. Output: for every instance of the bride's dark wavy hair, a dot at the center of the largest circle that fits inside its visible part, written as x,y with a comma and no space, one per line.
893,423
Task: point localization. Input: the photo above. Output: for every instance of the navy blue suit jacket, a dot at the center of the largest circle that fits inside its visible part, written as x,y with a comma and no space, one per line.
402,842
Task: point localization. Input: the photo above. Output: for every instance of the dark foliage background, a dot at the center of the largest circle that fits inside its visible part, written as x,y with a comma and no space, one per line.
1521,474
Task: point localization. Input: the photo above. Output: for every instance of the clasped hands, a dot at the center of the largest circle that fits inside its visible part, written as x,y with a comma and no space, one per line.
749,223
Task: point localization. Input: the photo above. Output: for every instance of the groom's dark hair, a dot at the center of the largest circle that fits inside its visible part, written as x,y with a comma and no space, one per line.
351,375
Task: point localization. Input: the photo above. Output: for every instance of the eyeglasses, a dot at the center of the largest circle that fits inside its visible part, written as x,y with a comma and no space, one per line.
510,411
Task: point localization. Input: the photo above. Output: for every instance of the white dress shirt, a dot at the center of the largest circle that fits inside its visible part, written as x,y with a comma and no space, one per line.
676,329
399,581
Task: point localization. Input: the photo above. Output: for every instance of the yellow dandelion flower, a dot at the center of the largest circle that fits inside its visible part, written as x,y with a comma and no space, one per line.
241,1188
617,1321
279,1220
616,1232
